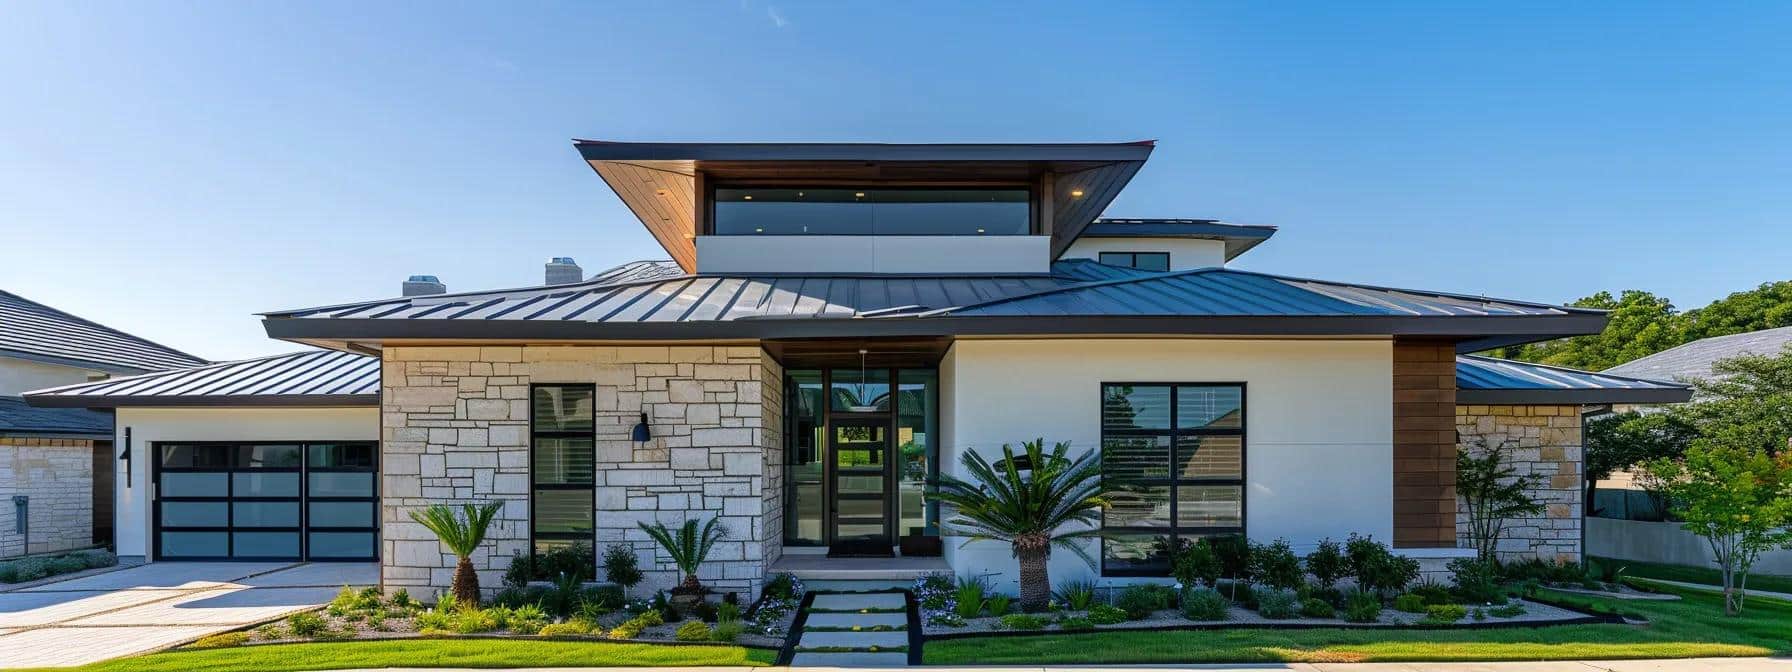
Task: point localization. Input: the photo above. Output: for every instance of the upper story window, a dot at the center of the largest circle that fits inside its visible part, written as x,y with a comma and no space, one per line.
1144,261
864,211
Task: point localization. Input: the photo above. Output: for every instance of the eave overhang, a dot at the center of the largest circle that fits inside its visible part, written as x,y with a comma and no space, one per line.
230,401
659,181
1540,397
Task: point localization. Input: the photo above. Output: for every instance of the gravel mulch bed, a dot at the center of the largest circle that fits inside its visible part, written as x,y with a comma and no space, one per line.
1535,613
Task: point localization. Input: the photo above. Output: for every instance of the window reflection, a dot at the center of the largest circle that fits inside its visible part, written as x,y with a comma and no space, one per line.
862,211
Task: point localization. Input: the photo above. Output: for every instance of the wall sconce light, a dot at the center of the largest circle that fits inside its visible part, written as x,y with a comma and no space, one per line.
642,434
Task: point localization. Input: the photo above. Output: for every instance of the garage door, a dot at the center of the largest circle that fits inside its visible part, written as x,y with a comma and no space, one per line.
267,501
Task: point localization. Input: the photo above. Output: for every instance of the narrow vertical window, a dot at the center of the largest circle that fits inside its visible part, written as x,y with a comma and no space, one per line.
1172,461
562,466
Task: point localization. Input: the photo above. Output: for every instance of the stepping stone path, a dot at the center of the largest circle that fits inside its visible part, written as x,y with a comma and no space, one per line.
829,640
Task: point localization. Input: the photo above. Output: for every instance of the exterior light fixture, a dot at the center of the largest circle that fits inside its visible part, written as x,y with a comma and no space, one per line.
860,194
641,433
759,229
1076,193
747,198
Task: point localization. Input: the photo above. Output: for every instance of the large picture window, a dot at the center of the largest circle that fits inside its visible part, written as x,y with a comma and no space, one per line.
870,211
562,466
1172,461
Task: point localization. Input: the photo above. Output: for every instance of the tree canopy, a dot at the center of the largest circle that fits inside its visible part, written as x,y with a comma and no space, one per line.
1643,324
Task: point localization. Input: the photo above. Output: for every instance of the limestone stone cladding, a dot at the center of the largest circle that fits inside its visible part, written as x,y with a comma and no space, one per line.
57,474
1543,440
455,427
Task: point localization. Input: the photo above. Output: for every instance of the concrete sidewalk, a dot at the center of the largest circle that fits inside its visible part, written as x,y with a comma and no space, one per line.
1681,665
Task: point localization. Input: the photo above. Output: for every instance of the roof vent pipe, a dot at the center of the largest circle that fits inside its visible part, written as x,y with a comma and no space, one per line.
423,285
563,270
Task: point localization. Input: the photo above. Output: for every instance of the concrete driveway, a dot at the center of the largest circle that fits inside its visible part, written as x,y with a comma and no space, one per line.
158,605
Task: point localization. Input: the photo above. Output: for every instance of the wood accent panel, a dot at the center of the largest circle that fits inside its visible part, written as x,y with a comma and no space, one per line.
1424,444
664,201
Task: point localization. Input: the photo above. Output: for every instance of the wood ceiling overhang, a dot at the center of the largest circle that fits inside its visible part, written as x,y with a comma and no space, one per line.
664,183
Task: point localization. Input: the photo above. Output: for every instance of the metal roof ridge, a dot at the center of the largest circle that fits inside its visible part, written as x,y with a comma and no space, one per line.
1424,292
1090,284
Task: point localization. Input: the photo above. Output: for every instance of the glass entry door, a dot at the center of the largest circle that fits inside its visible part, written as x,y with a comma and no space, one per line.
860,506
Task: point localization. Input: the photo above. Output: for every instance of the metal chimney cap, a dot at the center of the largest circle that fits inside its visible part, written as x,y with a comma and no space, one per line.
562,260
423,278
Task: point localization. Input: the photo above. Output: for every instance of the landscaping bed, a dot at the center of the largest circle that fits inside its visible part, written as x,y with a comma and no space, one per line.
1533,614
39,567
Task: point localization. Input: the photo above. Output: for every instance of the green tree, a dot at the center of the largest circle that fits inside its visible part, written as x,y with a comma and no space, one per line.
1032,502
1747,401
1735,495
1621,441
1492,491
1641,324
1764,307
462,534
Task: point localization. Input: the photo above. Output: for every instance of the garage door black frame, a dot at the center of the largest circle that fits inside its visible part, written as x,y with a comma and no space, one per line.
304,500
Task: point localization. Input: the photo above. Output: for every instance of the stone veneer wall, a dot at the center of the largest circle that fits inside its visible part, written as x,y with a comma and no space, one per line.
57,474
1543,440
455,424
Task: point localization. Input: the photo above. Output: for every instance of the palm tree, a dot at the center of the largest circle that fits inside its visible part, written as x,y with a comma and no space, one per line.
688,547
1025,502
462,534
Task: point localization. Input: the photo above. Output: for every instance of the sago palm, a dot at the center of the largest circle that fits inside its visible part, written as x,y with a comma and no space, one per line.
687,547
462,533
1026,504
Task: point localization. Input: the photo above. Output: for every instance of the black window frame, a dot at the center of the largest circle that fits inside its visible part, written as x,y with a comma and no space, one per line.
1033,207
1133,259
1174,532
230,468
589,540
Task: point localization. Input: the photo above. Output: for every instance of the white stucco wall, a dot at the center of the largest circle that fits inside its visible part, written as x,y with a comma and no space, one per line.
874,254
22,375
1319,427
1185,253
149,425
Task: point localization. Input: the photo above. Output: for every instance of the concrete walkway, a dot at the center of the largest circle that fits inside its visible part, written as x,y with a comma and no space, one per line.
1719,589
93,618
854,630
1686,665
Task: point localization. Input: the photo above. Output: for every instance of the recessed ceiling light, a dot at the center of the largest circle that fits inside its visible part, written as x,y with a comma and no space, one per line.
749,198
859,195
1076,193
759,230
979,230
661,192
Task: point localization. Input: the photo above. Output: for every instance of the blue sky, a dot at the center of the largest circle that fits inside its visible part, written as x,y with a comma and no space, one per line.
170,169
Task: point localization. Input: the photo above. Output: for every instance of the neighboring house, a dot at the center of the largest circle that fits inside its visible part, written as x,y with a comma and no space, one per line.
55,463
840,322
1689,362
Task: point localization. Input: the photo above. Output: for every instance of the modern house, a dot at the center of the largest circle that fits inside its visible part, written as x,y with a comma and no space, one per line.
56,463
838,323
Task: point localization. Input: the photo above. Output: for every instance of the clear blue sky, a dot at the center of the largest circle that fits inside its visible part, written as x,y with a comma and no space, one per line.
171,169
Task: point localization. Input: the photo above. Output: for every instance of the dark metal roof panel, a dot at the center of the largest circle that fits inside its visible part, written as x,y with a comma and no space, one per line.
316,377
1500,381
16,418
32,330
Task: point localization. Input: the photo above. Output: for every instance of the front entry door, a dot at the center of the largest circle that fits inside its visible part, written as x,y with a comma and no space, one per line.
859,455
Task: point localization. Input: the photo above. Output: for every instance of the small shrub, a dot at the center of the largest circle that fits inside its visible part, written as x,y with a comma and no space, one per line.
997,604
1197,563
1332,596
704,610
222,640
1478,614
9,572
630,628
1432,591
526,620
1076,594
1411,603
622,567
1362,606
1275,565
1022,622
1279,603
471,621
269,631
783,586
693,631
1445,613
67,564
1377,568
1234,553
569,628
1103,614
1076,623
1204,604
306,624
650,618
726,631
729,612
31,569
401,599
1545,572
1475,581
96,558
970,597
1512,610
1239,592
1327,563
1314,607
1138,601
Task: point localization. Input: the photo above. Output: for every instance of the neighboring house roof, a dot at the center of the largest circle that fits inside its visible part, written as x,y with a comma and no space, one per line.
31,330
1693,361
310,378
1239,238
19,419
1485,380
657,180
1077,297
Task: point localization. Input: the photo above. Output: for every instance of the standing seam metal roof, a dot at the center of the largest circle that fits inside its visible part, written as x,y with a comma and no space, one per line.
1490,380
317,377
35,331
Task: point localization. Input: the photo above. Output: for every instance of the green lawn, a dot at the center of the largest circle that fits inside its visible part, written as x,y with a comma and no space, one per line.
1706,575
430,653
1691,627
